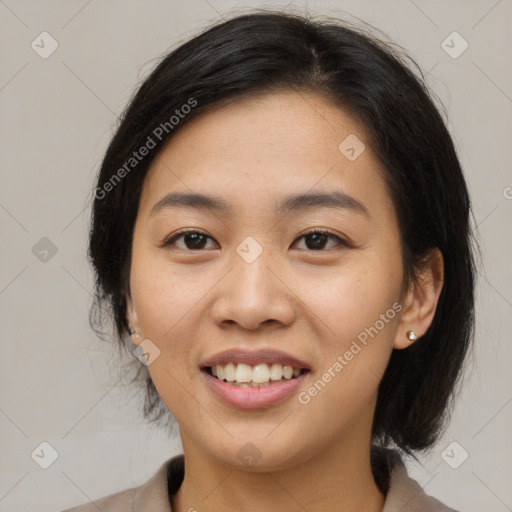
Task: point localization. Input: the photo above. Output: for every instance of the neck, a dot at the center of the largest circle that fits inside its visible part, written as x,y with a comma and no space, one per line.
339,478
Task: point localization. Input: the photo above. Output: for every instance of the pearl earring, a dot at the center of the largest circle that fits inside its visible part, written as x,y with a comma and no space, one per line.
411,335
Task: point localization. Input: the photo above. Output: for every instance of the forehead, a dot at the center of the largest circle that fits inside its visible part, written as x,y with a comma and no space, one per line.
259,149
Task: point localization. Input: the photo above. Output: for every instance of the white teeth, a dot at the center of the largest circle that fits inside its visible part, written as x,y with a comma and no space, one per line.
287,372
276,372
260,374
230,372
243,373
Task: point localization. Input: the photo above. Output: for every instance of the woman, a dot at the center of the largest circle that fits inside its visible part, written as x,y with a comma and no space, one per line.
281,225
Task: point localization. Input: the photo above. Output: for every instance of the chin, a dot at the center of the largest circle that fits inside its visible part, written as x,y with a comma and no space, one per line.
258,454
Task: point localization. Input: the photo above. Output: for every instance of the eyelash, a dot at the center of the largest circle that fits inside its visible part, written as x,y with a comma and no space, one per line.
170,241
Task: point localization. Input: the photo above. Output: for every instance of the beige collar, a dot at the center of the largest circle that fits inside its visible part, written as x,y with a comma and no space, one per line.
404,495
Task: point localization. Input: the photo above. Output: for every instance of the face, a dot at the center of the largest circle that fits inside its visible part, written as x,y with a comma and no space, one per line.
249,284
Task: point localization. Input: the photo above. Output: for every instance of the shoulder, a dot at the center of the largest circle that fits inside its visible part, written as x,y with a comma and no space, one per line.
405,494
152,496
112,503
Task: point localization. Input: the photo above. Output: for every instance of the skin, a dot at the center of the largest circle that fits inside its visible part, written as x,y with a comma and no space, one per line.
193,303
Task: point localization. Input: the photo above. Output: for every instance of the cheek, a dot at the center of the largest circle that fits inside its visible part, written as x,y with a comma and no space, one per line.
162,296
169,301
354,299
361,310
164,307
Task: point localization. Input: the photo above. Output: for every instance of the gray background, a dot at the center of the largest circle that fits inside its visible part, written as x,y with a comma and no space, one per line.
56,378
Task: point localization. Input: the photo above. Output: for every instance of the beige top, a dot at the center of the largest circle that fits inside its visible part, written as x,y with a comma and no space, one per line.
404,494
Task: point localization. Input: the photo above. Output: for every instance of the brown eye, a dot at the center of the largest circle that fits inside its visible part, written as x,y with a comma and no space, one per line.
192,240
317,240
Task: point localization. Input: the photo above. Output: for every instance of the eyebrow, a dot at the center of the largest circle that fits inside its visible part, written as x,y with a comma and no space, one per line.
292,203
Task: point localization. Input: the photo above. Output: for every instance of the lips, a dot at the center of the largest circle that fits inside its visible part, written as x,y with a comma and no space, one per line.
285,373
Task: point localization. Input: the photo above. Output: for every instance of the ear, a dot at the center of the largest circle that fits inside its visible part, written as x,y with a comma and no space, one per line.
131,317
421,300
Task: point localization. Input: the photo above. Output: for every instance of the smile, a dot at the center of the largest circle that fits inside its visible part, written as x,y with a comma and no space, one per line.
260,375
248,379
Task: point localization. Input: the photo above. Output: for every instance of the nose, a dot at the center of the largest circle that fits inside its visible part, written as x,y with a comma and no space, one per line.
254,294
